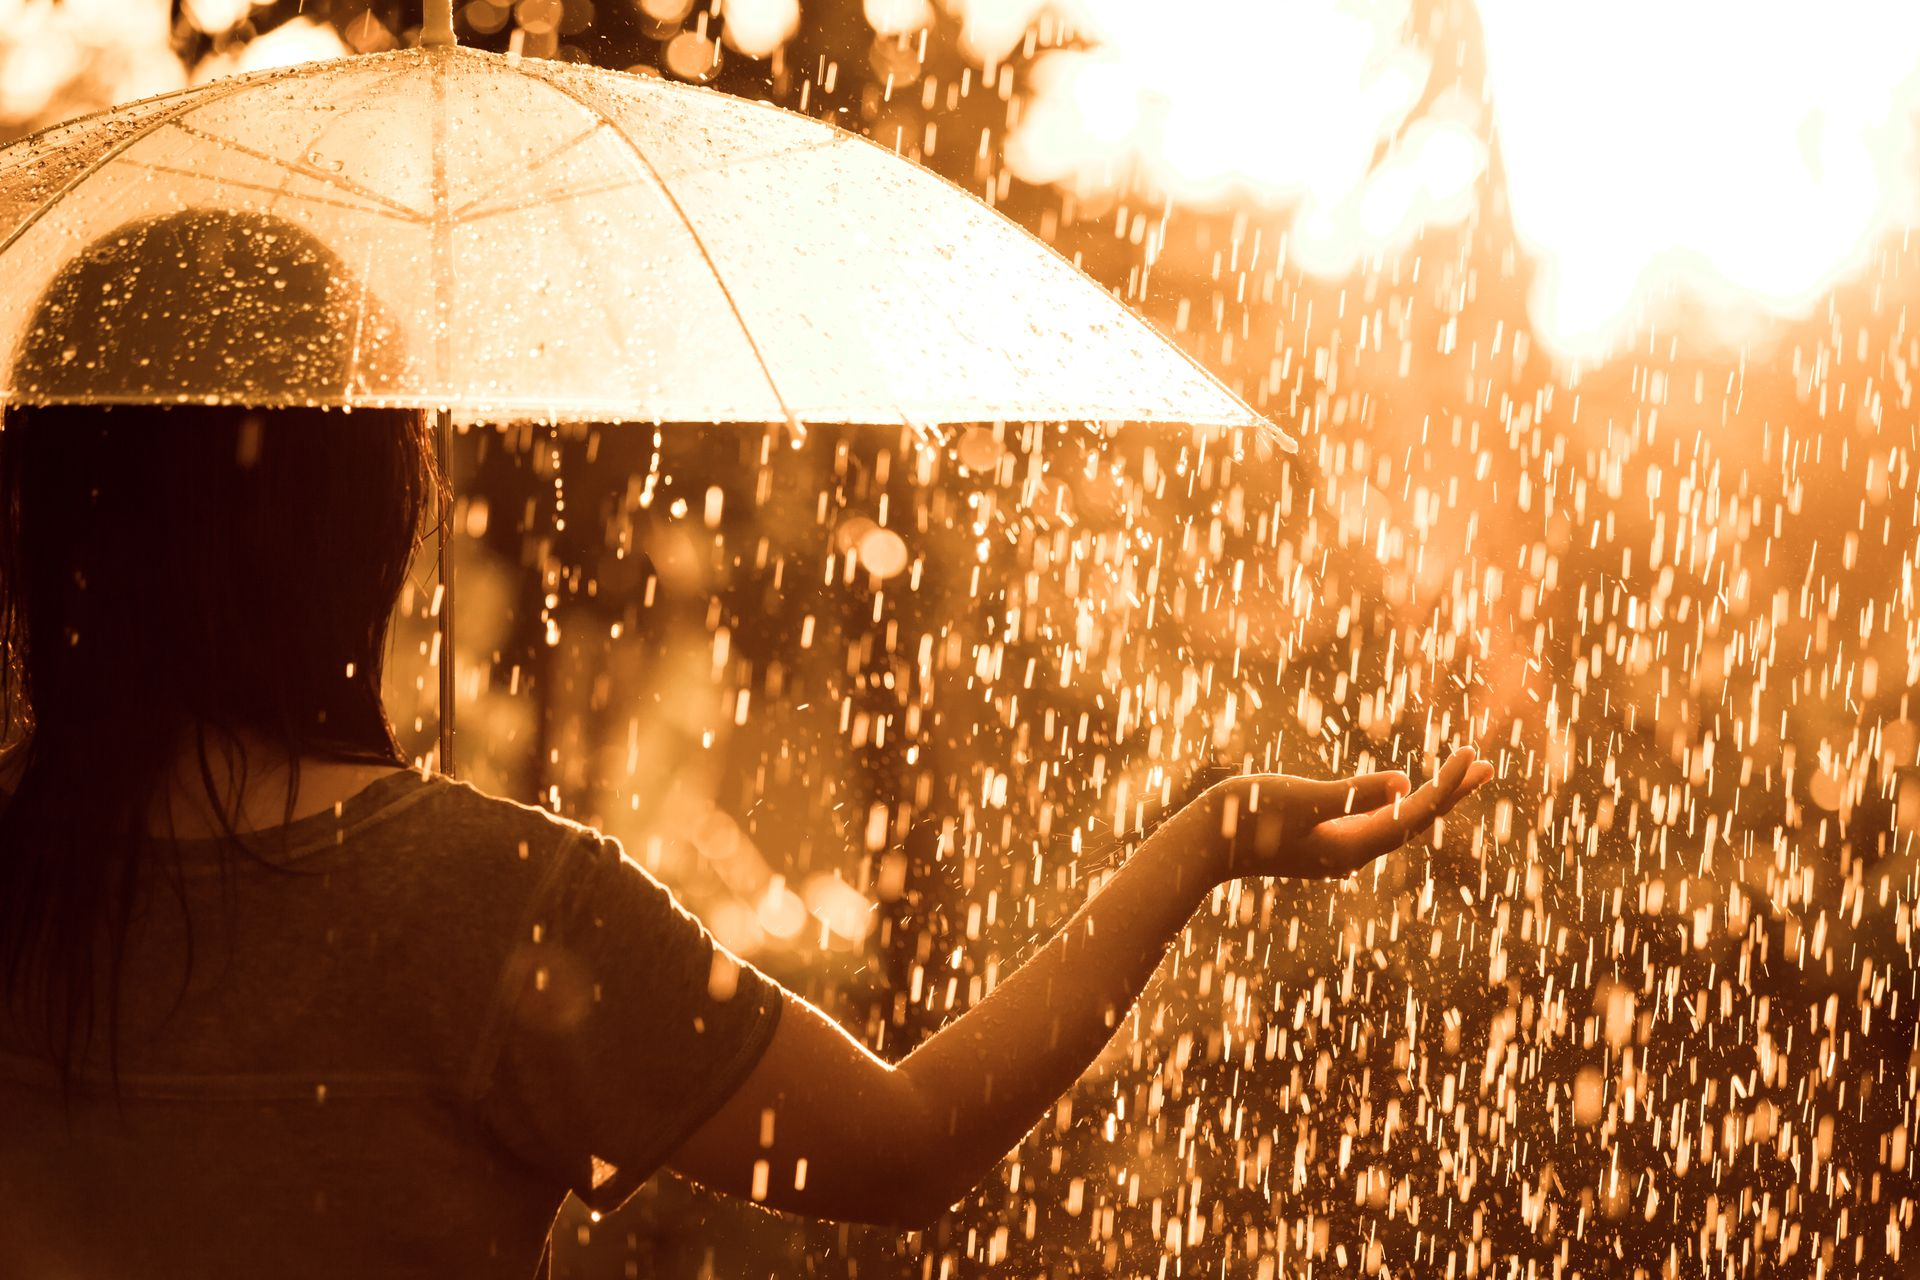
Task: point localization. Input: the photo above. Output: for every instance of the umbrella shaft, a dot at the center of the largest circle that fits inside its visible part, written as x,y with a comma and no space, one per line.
436,29
443,447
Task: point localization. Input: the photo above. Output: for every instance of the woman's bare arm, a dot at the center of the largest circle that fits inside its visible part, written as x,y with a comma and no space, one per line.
824,1127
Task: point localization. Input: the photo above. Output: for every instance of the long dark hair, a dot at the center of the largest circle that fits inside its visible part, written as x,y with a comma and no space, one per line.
174,580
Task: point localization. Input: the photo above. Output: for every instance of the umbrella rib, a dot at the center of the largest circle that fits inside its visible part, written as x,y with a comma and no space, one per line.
299,169
175,171
1205,374
466,216
1141,323
511,175
706,255
147,129
900,272
351,102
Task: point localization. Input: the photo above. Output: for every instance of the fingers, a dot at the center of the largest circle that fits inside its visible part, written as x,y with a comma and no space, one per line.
1368,791
1454,771
1424,805
1461,775
1477,776
1348,822
1358,794
1359,838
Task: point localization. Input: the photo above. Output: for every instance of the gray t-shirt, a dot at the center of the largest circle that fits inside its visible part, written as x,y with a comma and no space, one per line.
395,1054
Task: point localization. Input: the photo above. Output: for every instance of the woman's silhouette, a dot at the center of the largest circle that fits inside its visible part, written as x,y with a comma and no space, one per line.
275,1003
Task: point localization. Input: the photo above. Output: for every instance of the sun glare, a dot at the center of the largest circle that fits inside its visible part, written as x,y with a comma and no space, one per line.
1210,114
1743,158
1736,159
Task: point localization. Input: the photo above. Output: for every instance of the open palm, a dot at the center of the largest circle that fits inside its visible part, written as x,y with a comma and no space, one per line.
1280,825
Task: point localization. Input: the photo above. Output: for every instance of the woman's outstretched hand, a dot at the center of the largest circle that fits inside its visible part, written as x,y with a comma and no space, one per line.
1278,825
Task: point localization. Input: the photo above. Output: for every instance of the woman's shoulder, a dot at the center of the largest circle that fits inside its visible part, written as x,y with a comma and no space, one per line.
478,830
461,801
452,861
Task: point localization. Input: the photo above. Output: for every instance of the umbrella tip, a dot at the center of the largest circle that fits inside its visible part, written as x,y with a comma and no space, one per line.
436,31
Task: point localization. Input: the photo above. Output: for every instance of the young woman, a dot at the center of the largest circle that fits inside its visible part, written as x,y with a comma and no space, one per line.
275,1004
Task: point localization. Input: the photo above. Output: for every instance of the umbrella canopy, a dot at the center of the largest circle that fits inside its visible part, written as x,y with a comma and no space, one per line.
545,241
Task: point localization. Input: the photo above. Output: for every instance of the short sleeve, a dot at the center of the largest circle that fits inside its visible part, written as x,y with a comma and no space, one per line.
622,1027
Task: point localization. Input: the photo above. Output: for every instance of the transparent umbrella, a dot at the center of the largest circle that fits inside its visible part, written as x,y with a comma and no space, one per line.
542,241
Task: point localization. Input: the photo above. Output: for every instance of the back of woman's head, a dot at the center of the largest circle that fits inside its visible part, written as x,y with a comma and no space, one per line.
167,570
179,581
